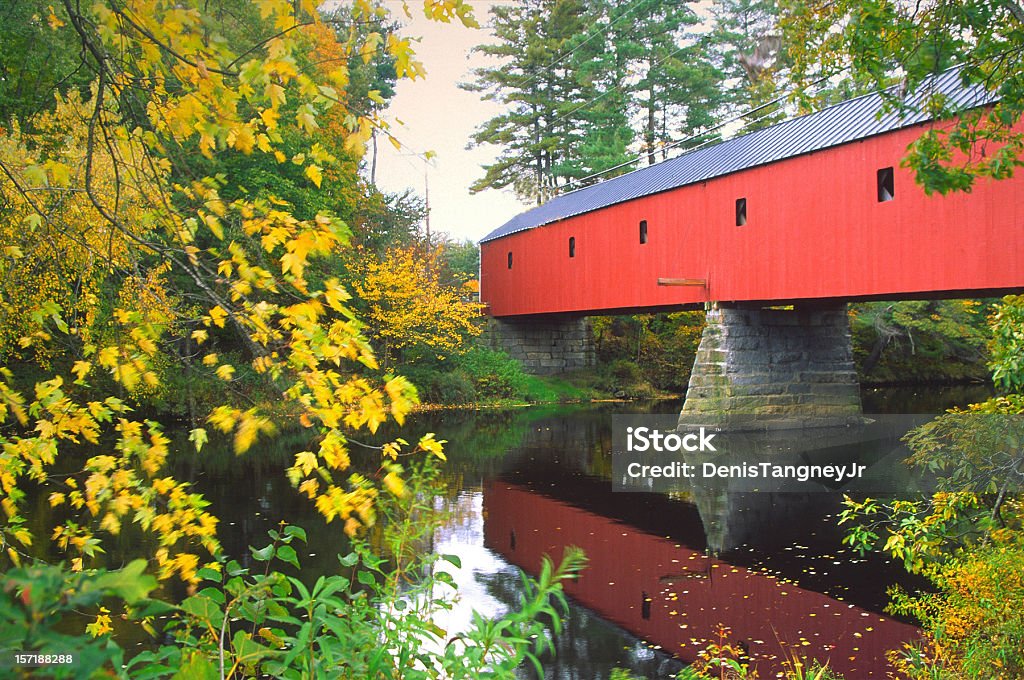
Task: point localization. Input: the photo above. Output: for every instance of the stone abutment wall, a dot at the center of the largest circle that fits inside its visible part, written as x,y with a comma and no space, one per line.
543,346
788,367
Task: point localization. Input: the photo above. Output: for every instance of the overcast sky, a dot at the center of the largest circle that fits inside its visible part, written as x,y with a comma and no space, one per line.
440,117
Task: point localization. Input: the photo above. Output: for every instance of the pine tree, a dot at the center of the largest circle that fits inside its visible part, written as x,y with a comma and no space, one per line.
536,82
678,93
588,85
595,121
749,45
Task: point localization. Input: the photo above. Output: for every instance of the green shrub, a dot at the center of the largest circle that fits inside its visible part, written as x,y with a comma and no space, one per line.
495,374
39,602
374,618
478,374
625,373
452,388
438,386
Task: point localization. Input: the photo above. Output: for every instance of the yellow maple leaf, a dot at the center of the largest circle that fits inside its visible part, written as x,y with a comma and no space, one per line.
242,138
52,20
306,461
306,118
314,173
395,484
270,118
310,487
81,369
217,315
431,445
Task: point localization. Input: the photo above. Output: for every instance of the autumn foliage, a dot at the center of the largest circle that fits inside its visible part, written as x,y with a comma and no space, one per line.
129,253
408,306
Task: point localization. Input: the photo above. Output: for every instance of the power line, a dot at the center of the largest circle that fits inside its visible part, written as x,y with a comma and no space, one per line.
600,31
700,134
616,88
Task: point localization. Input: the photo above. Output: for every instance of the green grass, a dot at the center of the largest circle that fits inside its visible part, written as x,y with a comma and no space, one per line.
546,388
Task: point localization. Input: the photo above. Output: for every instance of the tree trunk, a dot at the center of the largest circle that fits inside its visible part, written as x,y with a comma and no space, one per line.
373,161
649,133
538,163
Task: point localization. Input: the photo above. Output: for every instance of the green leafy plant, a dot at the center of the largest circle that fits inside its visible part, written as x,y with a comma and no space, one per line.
720,659
494,374
43,607
967,538
376,618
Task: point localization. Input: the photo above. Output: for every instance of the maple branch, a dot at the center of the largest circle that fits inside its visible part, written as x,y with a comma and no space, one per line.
167,48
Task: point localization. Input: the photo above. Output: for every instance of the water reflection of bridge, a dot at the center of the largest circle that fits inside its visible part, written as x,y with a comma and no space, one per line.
650,573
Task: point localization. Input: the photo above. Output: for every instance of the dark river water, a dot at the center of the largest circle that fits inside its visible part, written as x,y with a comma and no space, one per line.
661,579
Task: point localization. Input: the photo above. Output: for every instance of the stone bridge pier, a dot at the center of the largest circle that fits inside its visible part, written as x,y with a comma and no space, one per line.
774,367
543,345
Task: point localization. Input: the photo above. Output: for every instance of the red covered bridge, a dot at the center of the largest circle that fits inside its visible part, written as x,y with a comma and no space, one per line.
813,208
809,213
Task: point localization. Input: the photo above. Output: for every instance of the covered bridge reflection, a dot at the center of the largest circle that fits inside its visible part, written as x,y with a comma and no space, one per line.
650,573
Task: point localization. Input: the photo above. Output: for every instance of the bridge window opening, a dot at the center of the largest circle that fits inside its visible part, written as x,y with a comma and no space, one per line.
886,185
572,246
643,231
741,212
510,259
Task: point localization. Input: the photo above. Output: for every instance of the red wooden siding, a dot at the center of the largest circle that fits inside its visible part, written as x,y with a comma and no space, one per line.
814,229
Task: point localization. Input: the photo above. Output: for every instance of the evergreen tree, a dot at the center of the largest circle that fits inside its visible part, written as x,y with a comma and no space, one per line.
750,53
595,121
534,39
678,91
588,85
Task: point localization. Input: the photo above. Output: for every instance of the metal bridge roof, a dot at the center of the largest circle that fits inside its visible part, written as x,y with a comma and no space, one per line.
841,123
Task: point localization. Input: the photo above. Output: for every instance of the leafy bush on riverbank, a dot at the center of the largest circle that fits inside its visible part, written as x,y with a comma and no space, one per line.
967,538
650,352
475,375
376,617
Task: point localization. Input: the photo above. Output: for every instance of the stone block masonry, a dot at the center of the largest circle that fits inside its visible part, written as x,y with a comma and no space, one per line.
774,368
543,346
